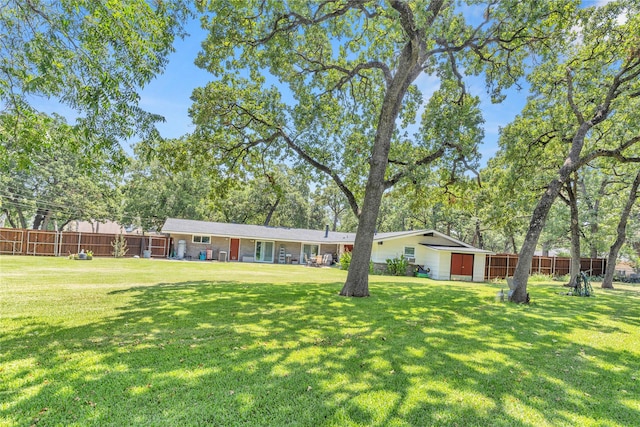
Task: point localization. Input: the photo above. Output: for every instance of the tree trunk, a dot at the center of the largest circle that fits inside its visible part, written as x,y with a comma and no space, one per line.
21,218
478,242
8,217
409,68
38,221
357,284
143,243
607,282
272,209
574,270
594,210
46,221
521,274
593,247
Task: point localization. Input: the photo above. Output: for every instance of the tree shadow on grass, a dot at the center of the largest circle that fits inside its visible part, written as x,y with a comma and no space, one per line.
415,353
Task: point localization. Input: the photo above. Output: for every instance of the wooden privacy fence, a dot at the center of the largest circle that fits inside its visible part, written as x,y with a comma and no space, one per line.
16,241
504,265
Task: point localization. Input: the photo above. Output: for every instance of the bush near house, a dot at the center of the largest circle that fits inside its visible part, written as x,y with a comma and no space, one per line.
345,260
397,266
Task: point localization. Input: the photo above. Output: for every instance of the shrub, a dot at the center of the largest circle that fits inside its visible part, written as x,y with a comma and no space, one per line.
119,245
397,266
345,260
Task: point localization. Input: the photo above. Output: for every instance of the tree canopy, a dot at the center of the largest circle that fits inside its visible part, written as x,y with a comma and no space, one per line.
583,105
88,55
60,185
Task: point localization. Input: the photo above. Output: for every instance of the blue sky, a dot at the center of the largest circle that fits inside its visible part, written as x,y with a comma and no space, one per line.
169,94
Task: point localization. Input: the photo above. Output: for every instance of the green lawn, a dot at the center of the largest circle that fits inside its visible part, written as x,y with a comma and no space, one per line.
152,342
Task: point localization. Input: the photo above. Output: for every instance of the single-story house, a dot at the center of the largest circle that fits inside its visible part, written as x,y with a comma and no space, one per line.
446,258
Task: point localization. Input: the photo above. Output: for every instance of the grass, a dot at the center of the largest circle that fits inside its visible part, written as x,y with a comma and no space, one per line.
151,342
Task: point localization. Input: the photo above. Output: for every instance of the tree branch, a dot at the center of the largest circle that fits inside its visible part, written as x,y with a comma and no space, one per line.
280,133
292,20
324,168
423,161
459,78
349,73
615,153
619,79
570,99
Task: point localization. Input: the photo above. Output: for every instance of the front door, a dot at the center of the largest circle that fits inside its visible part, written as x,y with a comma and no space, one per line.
234,247
461,266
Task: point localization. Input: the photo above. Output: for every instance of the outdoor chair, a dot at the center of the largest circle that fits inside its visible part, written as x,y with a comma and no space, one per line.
327,259
311,261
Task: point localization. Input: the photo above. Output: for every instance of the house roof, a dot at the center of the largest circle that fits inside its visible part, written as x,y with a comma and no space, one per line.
248,231
459,249
455,243
186,226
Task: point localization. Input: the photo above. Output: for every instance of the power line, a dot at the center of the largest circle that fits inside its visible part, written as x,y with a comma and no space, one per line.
70,210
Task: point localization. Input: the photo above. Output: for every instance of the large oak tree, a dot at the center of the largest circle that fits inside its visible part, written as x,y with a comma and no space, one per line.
341,85
584,106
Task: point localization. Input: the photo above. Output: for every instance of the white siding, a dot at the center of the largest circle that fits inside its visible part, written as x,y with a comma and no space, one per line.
394,248
479,263
445,265
431,261
439,262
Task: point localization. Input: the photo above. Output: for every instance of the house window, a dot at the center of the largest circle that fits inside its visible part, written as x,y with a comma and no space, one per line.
309,251
205,240
264,251
410,253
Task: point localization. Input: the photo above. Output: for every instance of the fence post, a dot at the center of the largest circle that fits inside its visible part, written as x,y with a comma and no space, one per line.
507,272
21,242
540,265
